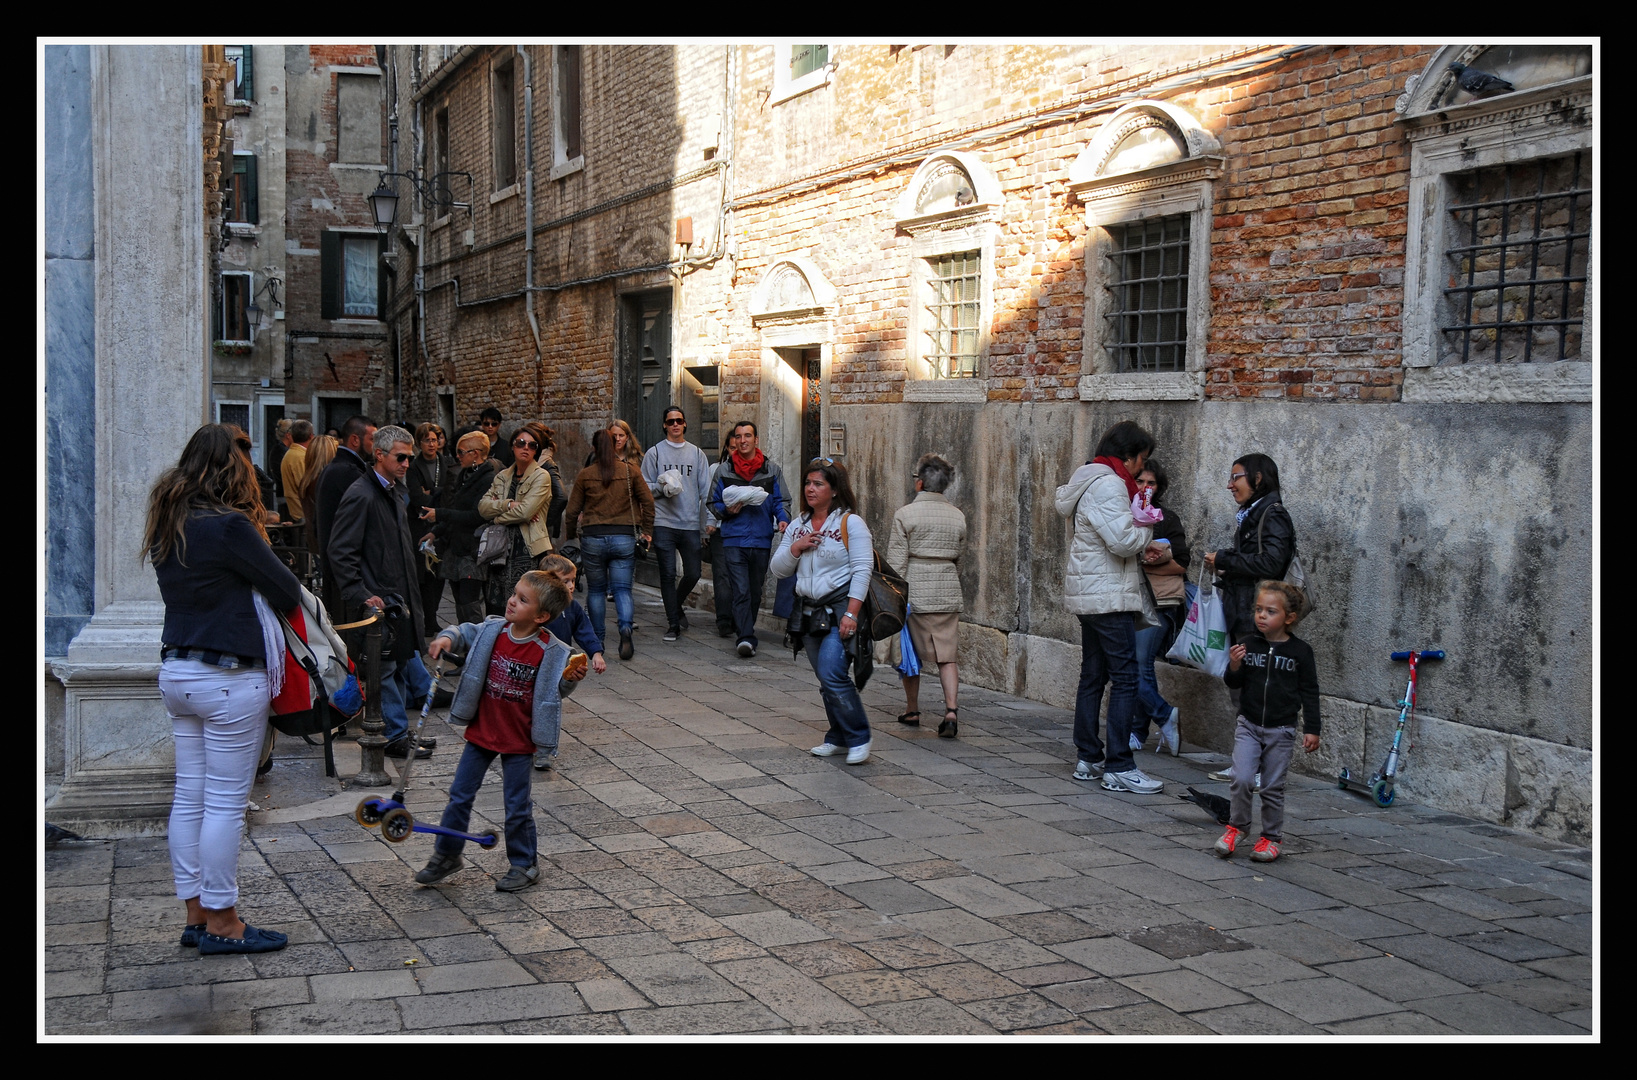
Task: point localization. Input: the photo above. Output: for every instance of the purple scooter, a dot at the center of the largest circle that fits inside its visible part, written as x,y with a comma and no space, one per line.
395,820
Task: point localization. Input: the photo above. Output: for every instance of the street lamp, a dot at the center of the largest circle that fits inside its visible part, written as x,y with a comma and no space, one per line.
434,191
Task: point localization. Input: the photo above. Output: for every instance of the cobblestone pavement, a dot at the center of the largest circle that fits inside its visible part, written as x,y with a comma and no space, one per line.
701,873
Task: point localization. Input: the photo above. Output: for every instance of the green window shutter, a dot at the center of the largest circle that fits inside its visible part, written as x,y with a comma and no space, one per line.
381,279
249,80
330,275
216,300
252,209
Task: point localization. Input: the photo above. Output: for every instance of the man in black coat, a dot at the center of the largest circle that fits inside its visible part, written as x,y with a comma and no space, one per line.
372,559
352,460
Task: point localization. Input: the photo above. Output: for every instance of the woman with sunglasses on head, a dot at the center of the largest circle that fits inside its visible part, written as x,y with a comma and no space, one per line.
830,551
221,584
519,497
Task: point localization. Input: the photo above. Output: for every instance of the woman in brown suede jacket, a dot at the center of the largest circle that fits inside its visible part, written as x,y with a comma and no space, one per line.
609,507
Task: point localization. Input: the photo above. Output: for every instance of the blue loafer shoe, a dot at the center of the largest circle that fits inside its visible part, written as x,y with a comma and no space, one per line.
254,941
191,935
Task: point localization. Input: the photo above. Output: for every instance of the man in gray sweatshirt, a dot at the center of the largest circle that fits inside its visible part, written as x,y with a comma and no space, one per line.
679,514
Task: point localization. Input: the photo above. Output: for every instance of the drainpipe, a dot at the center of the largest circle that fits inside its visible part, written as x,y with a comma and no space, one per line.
528,222
420,248
391,61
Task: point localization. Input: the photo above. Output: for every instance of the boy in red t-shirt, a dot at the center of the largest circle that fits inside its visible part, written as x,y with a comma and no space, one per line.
512,680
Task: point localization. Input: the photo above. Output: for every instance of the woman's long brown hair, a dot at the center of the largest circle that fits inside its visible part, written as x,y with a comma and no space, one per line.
215,476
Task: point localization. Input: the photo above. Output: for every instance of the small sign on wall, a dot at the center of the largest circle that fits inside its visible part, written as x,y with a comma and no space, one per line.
838,441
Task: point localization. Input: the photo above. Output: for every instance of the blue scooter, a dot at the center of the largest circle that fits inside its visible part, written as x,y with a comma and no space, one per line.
1380,786
393,817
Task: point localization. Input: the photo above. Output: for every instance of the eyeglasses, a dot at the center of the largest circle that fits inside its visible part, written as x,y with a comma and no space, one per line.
471,450
403,459
1236,477
522,445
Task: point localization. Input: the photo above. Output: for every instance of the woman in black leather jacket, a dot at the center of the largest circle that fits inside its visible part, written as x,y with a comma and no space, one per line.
455,521
1263,544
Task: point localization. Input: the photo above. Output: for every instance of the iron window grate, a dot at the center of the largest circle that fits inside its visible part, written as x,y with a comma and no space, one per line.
1516,288
1148,283
955,308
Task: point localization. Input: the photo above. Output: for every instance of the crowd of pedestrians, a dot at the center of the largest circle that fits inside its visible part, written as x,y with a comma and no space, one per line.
391,517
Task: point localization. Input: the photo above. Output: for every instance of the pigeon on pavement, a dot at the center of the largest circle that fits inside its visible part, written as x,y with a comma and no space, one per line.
1214,805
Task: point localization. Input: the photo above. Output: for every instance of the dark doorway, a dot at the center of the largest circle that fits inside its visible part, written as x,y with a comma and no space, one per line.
334,411
645,363
807,362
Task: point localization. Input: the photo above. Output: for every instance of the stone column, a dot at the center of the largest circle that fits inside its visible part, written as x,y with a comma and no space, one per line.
151,342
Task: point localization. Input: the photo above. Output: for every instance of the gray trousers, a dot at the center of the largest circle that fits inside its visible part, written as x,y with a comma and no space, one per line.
1266,751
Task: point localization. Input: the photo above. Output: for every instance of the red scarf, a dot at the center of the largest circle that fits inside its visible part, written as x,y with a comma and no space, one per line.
748,467
1119,470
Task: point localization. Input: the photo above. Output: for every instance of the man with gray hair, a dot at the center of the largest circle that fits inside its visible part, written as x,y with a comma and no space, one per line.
372,557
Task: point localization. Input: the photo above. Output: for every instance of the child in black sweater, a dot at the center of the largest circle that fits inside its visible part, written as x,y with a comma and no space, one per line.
1275,671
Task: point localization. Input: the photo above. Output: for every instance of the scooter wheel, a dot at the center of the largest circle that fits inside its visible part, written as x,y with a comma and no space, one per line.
1341,781
368,816
396,825
1382,792
489,839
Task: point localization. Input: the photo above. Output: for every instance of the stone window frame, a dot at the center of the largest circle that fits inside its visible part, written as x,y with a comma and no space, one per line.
249,296
1513,128
971,228
562,163
784,87
441,155
504,67
1184,186
353,75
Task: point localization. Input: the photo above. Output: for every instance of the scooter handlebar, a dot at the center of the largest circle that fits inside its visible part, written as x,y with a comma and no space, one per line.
1426,654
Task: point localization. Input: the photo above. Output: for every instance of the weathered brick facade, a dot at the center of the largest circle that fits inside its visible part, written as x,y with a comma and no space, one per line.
346,358
1295,338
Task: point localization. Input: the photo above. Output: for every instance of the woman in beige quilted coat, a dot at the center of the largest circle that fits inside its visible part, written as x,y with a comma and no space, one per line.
928,536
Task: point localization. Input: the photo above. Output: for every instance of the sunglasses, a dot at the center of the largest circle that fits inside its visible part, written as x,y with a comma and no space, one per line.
824,461
403,459
674,420
523,445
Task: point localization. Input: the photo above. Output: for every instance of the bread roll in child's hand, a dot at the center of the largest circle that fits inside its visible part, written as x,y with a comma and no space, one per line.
574,670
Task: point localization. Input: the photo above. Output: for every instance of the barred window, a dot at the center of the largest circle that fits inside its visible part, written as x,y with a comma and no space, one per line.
1519,241
954,310
1148,280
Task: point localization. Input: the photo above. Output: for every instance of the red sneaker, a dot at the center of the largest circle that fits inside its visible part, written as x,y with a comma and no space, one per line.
1264,851
1230,840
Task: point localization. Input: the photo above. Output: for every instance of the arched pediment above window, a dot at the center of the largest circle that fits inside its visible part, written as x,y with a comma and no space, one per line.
1145,141
950,189
793,287
1528,70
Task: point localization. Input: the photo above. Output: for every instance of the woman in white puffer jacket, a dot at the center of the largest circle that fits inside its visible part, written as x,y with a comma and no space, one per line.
1104,587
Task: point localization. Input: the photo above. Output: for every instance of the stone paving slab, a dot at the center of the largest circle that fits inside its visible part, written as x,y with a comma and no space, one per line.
702,874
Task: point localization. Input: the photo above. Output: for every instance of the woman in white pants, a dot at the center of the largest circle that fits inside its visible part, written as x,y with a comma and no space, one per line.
205,540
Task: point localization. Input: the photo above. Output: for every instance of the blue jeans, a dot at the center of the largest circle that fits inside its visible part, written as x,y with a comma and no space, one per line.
609,559
849,724
1108,653
668,543
404,684
721,584
517,774
747,566
1152,706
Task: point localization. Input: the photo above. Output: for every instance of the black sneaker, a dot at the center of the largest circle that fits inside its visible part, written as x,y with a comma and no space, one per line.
438,868
518,878
683,621
626,648
673,633
399,748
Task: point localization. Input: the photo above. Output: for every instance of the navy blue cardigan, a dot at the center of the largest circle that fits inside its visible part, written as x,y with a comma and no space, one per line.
207,602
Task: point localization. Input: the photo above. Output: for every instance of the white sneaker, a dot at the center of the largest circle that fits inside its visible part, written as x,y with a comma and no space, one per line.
746,649
1136,743
858,755
1132,780
1086,770
1224,775
828,749
1171,735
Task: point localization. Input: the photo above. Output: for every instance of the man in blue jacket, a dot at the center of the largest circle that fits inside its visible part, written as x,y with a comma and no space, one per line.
748,531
